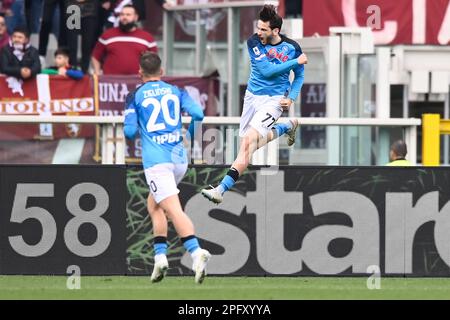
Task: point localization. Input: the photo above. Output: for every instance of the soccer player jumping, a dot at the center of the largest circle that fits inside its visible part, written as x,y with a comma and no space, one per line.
269,92
155,109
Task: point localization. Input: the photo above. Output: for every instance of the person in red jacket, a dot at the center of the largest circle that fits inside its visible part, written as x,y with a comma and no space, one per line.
118,49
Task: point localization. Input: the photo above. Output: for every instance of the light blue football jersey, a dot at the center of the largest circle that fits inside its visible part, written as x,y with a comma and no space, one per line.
271,65
155,108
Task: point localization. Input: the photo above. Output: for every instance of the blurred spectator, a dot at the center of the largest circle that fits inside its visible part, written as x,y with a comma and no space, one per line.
118,49
140,7
117,5
13,11
104,10
47,23
5,7
89,15
62,66
19,59
293,8
165,4
397,154
4,37
33,14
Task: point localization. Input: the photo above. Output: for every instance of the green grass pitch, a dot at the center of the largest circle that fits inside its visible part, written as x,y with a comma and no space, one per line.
237,288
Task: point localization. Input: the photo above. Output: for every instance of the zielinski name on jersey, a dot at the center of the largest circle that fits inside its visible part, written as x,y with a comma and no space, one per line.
157,91
167,137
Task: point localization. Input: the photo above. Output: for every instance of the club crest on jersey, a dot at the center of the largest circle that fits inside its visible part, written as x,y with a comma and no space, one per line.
274,54
256,51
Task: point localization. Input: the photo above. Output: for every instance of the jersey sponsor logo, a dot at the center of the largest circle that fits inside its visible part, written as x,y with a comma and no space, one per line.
167,138
256,51
274,54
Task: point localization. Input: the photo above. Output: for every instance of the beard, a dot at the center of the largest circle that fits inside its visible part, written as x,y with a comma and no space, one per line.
269,39
126,27
266,39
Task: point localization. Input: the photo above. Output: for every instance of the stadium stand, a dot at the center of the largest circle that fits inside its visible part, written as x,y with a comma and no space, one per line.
312,220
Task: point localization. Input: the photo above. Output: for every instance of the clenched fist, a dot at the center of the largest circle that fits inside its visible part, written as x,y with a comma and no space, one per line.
303,59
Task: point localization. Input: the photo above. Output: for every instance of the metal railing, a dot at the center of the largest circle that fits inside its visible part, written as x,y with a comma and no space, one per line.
113,140
111,128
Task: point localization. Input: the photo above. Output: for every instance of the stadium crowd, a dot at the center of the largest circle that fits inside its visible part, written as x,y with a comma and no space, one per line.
110,30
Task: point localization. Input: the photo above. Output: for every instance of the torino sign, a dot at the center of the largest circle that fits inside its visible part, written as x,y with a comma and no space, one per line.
393,22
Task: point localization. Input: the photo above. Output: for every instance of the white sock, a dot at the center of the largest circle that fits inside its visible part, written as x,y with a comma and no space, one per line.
160,257
220,189
196,252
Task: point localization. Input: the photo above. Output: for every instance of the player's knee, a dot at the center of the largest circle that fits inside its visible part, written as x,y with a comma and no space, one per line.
153,208
171,215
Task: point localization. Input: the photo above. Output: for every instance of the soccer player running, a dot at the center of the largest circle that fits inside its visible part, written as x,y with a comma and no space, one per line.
155,109
269,92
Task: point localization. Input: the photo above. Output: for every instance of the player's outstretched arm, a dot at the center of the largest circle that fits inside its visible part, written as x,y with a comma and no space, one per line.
302,59
297,83
194,110
268,69
130,127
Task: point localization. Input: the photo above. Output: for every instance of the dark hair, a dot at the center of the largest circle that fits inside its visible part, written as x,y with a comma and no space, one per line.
131,6
64,51
150,63
399,148
269,14
22,29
